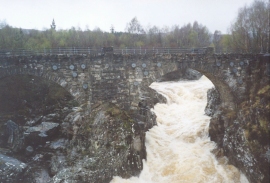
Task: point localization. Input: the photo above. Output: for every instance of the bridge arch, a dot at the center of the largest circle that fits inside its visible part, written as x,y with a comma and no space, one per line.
226,95
46,74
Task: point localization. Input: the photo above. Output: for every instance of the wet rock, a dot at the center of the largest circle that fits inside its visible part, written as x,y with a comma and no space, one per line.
66,129
11,169
57,163
38,157
13,136
29,150
59,144
191,74
137,144
40,134
213,102
90,163
41,175
35,121
52,117
70,175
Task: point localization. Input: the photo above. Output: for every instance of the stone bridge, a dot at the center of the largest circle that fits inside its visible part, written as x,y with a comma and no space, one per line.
124,79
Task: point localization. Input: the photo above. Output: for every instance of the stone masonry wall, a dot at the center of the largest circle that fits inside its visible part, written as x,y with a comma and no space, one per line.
124,79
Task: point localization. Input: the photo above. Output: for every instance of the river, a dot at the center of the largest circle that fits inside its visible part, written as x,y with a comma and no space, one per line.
179,148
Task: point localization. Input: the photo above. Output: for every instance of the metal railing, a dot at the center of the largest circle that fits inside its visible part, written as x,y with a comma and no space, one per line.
83,50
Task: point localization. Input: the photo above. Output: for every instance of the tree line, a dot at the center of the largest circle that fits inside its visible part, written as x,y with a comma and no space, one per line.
249,33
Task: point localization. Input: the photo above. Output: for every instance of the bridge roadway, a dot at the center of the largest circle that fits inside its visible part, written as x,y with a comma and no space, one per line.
124,79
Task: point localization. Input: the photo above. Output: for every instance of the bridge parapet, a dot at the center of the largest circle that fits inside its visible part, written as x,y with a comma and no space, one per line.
100,51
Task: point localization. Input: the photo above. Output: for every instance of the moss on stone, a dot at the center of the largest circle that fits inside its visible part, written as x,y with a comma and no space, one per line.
265,91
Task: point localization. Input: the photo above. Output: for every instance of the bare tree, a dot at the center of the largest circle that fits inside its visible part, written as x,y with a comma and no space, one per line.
134,27
249,31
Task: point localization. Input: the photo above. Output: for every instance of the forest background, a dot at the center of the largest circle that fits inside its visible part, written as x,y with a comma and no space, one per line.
249,33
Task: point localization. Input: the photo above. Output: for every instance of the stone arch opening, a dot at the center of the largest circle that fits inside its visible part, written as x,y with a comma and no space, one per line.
25,96
69,83
226,96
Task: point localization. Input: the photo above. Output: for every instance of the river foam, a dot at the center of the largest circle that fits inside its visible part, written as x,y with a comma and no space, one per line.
179,148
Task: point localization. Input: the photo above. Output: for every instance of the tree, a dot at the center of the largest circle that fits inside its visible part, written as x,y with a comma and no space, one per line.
154,36
112,29
53,26
134,27
19,39
2,23
249,31
225,42
187,36
217,41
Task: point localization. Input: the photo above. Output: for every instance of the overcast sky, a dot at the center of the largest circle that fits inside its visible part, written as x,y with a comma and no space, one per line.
38,14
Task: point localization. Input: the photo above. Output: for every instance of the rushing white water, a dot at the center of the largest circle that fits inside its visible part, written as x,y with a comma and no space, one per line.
179,148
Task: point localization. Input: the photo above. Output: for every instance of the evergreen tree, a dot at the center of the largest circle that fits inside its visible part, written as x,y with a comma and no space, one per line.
112,29
53,26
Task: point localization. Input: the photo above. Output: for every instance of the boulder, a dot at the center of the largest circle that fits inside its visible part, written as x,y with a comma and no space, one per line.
13,136
40,134
191,74
29,150
11,169
35,121
59,144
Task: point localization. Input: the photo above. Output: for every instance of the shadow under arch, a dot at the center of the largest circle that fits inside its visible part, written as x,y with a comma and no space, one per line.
28,95
45,73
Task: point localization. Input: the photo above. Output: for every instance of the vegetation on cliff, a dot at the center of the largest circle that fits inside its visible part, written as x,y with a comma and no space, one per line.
255,111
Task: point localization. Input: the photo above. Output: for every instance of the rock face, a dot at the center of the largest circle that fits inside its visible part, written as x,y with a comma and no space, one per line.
243,134
213,102
65,144
109,142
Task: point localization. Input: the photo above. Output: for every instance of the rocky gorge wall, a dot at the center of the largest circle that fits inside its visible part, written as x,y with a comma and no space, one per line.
242,134
56,141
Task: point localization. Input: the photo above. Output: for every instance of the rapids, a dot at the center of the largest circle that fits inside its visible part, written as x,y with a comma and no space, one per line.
179,148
